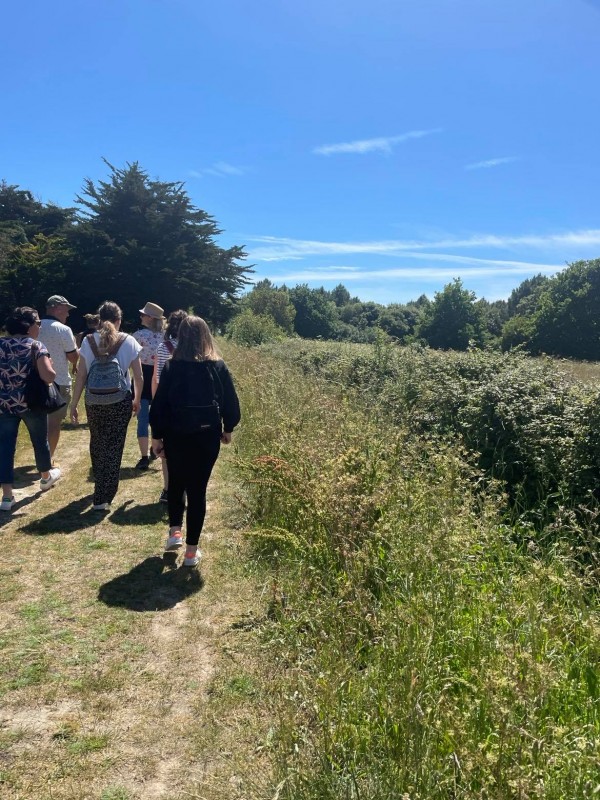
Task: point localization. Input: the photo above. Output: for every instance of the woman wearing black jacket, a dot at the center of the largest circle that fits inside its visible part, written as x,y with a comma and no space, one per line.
195,408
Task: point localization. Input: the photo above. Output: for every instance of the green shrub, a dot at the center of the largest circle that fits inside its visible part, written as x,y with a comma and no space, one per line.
421,653
250,329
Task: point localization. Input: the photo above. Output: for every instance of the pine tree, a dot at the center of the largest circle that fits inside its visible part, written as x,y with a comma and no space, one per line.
140,239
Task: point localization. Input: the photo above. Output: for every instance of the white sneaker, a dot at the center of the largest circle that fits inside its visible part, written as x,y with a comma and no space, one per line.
46,483
101,507
174,542
7,503
192,561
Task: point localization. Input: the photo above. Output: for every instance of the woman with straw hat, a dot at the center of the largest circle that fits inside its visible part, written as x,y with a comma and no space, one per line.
149,336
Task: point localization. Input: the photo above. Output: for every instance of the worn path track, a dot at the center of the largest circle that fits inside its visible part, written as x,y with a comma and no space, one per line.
124,676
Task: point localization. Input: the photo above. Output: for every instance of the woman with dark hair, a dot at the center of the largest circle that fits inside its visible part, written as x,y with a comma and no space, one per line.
91,326
194,410
163,354
106,357
19,354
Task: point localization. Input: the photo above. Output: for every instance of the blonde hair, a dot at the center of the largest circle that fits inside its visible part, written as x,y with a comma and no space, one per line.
155,324
109,313
195,341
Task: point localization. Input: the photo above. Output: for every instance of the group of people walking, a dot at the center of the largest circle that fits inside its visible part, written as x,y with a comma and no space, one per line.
171,378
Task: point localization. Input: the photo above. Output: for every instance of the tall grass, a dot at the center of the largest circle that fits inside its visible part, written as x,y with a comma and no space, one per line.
529,423
421,652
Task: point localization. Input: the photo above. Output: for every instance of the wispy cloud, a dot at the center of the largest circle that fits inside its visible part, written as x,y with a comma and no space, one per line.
485,268
220,169
492,162
282,249
382,144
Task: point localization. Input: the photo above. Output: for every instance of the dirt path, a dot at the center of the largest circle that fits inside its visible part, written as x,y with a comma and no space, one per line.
123,675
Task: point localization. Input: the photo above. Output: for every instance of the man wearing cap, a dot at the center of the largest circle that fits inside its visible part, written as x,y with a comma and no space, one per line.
59,339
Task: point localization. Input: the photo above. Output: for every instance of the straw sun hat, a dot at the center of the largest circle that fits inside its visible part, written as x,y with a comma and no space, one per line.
152,310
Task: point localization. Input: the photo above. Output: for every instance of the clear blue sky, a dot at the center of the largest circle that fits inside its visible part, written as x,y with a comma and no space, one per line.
390,145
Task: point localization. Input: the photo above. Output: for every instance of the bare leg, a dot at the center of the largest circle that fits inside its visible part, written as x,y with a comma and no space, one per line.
54,423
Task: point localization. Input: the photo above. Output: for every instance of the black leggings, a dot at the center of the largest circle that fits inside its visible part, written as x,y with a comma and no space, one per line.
190,459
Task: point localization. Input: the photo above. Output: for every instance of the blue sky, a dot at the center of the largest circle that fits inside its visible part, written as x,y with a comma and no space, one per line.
391,146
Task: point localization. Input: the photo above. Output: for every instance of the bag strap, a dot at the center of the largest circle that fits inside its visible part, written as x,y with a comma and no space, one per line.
113,350
33,354
93,346
213,374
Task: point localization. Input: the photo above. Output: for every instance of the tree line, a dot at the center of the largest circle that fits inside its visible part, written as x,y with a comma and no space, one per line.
129,236
556,315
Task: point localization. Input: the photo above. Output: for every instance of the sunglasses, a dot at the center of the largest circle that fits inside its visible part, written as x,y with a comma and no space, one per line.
37,322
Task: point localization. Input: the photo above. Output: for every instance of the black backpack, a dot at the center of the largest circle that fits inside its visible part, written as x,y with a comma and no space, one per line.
194,403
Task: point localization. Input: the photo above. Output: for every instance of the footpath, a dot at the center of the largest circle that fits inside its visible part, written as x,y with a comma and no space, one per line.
123,675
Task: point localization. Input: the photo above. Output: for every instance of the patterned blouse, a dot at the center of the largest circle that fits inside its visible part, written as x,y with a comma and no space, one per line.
149,341
15,366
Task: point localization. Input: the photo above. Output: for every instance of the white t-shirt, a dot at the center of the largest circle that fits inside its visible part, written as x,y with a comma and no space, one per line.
127,353
59,340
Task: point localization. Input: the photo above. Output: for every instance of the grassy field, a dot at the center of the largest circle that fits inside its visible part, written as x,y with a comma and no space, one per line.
426,649
124,676
367,625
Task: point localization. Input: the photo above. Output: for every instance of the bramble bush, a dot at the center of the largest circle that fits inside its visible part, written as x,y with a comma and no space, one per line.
421,652
532,426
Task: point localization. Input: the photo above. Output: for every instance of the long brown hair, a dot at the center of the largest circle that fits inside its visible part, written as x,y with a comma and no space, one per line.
109,313
195,341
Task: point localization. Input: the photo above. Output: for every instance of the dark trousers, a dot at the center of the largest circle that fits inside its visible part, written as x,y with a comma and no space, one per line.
37,425
190,459
108,429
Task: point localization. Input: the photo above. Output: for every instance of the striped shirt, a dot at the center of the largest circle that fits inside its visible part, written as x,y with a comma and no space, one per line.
163,354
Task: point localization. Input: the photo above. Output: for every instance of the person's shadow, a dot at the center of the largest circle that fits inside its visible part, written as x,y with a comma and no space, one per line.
129,513
75,516
154,585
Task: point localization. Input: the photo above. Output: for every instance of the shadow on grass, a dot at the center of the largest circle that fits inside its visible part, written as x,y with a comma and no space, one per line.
26,476
127,473
18,506
75,516
148,514
154,585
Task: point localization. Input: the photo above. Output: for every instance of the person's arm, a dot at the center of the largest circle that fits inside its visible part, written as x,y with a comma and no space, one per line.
45,368
73,358
155,377
231,405
77,390
70,346
138,383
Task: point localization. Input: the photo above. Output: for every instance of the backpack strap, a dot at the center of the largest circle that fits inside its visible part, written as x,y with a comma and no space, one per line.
92,343
113,350
213,374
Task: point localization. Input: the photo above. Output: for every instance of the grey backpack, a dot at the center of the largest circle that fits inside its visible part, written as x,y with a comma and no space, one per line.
106,382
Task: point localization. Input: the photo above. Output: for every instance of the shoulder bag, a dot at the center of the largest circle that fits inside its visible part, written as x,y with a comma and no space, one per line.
39,395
